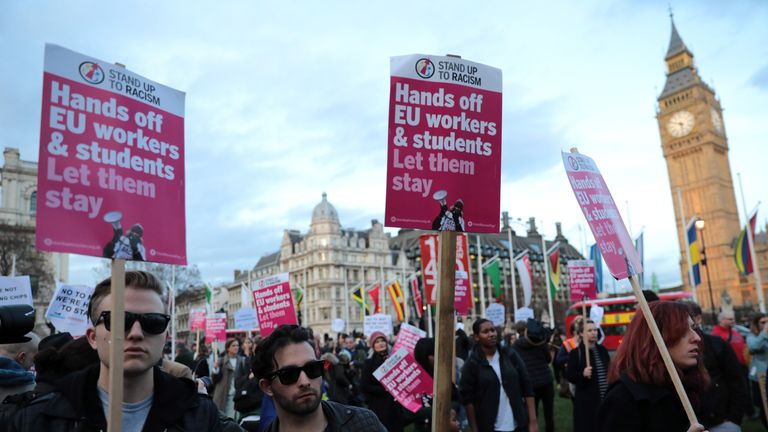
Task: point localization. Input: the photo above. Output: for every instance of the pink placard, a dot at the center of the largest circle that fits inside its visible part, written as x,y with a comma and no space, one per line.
274,303
407,337
216,327
404,379
111,164
429,244
444,149
581,282
197,319
461,298
602,215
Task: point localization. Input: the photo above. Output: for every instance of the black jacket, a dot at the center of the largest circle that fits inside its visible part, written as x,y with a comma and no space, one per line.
633,407
387,409
75,406
343,418
480,387
536,359
726,396
587,397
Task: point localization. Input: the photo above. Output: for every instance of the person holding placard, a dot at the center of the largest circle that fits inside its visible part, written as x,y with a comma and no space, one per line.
591,381
387,409
641,396
494,387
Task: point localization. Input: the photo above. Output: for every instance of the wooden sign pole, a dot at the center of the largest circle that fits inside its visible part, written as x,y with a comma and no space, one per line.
444,340
663,351
117,343
584,326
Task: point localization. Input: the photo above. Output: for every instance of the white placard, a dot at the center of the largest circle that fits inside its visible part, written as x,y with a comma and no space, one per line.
15,290
68,310
245,319
337,325
377,322
596,314
523,314
495,313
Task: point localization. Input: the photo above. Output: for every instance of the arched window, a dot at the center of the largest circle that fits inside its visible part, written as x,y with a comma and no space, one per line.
33,202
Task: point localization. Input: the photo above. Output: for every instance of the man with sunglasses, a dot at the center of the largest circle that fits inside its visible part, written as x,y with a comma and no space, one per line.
152,399
288,370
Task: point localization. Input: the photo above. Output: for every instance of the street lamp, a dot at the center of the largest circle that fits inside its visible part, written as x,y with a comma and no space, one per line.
703,260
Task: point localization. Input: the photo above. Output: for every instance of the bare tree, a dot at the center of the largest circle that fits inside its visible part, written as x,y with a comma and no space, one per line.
185,278
19,241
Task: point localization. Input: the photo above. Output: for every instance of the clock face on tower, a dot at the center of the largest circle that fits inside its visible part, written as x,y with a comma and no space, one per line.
680,124
717,122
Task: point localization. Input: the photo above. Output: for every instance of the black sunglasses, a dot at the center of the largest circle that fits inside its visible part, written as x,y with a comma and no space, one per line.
151,323
289,375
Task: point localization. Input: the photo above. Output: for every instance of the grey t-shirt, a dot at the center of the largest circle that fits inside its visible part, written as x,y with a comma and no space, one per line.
134,414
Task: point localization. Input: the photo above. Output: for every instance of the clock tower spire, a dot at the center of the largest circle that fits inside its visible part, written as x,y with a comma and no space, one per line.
695,147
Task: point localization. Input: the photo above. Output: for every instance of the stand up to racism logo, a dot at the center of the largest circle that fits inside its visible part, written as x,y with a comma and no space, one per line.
425,68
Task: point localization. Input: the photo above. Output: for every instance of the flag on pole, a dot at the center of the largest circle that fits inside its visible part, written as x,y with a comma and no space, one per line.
398,299
208,298
742,254
416,297
594,255
374,293
357,296
298,293
523,265
492,270
639,246
553,256
692,240
245,296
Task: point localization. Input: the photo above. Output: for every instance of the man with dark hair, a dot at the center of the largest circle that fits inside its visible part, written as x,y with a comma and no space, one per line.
289,372
153,400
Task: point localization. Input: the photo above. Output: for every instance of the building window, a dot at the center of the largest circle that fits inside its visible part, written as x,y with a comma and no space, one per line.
33,203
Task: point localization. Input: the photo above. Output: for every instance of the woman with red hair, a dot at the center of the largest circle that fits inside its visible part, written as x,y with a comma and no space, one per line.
642,396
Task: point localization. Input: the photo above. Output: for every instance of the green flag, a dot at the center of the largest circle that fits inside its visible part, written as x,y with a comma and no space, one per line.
492,270
208,297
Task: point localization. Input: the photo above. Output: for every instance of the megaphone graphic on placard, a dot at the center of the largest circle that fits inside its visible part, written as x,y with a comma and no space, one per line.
113,218
440,196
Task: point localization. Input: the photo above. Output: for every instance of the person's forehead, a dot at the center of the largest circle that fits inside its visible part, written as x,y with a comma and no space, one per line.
141,300
294,354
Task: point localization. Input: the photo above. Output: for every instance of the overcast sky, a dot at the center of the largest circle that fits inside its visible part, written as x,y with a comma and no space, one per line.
285,101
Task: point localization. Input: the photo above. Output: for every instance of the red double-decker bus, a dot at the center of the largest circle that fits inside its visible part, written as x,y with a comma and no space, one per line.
618,313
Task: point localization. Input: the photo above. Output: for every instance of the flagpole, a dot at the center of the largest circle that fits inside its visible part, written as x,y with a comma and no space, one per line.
684,227
546,282
480,275
382,290
305,300
346,301
405,292
512,272
750,238
172,301
364,294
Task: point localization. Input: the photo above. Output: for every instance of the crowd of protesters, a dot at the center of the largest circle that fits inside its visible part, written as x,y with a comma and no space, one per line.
506,377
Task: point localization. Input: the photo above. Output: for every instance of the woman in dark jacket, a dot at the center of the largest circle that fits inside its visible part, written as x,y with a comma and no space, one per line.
495,387
386,408
591,382
641,396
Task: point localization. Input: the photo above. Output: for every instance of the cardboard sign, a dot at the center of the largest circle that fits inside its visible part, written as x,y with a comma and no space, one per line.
461,299
15,290
602,215
68,310
245,319
197,319
377,322
407,337
216,327
429,244
111,166
581,282
444,149
274,303
495,313
523,314
404,379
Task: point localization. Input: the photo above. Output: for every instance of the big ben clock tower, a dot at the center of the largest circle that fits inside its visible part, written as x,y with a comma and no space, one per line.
695,148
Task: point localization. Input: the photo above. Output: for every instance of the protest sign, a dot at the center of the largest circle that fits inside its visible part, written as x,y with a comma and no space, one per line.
111,165
197,319
245,319
603,217
407,337
596,313
377,322
68,310
274,303
461,299
581,282
428,244
523,314
15,290
216,327
444,148
495,313
337,325
404,379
